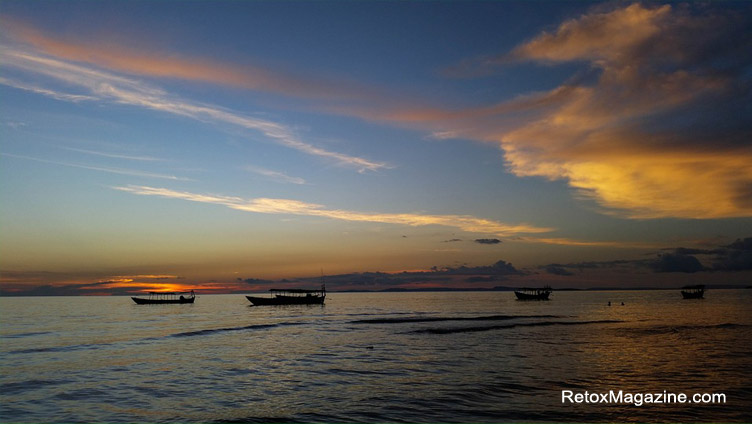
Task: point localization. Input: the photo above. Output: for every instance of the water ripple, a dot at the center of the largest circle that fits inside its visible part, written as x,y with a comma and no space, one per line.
507,326
22,386
223,330
89,346
212,363
435,319
67,348
20,335
668,329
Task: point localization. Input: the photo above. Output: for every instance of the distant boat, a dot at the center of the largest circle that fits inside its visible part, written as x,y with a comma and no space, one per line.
533,293
155,298
291,297
693,292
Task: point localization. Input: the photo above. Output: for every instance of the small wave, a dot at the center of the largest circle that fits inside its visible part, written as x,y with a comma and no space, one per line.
508,326
22,386
20,335
359,372
227,329
435,319
508,387
730,325
256,420
70,348
82,394
60,348
668,329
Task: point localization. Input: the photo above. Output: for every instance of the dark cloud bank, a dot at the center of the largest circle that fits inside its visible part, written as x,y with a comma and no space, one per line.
736,256
488,241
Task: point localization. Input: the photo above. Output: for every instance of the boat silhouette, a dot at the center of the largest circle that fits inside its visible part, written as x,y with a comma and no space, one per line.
156,298
533,293
693,292
291,297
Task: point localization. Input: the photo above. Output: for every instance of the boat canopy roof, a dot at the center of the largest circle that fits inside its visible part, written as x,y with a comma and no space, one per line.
174,293
296,290
696,287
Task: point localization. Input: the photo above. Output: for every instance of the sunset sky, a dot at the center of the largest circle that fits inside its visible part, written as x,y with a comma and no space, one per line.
220,144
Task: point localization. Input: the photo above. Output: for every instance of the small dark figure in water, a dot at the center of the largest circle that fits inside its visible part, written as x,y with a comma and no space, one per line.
622,303
609,303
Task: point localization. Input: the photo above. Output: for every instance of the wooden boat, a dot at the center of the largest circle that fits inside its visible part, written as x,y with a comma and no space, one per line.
291,297
533,293
156,298
693,292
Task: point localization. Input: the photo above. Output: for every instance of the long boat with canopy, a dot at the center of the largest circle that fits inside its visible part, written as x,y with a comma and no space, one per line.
533,293
291,297
156,298
693,292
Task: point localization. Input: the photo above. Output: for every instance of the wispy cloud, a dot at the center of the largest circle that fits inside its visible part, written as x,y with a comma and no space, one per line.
46,92
15,124
105,86
114,155
150,277
275,175
467,223
119,57
121,171
561,241
296,207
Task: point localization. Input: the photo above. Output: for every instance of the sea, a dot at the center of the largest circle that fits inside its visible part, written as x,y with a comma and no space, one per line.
410,357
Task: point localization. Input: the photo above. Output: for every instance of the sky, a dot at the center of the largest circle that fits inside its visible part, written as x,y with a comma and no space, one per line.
232,146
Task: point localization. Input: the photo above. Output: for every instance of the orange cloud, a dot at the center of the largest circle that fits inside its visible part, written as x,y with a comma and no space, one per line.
660,129
140,283
597,36
628,141
587,243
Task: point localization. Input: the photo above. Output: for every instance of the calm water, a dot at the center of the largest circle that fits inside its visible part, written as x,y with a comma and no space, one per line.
386,357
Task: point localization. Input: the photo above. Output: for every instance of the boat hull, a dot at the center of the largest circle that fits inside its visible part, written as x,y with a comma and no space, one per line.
529,296
286,300
140,301
692,295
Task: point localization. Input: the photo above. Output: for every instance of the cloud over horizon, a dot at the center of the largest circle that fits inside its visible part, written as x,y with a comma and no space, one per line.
727,262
